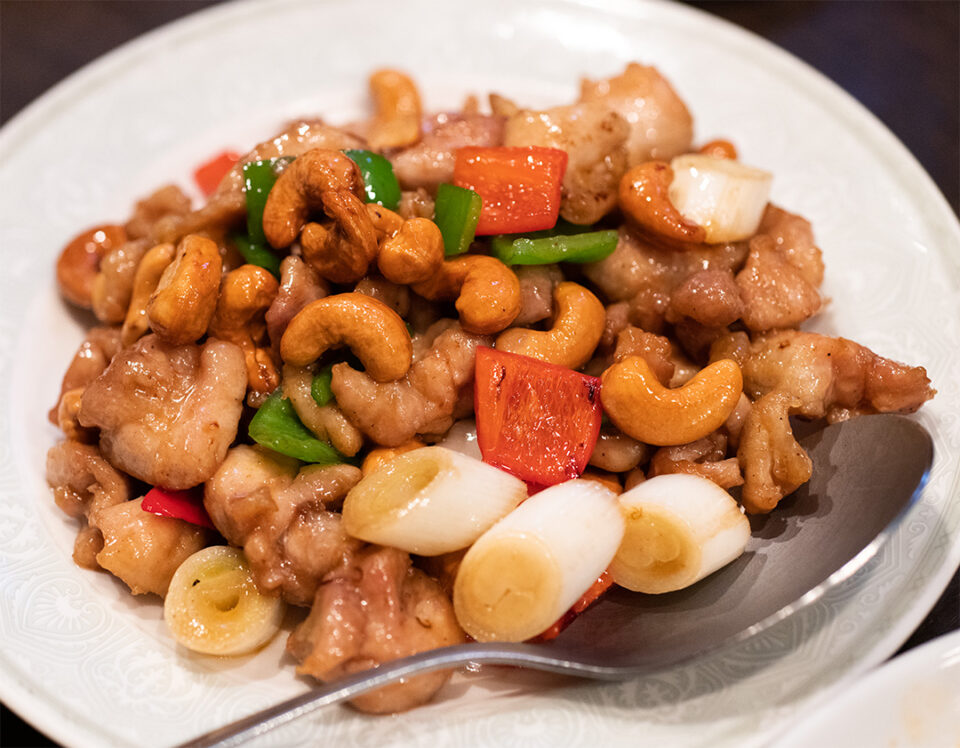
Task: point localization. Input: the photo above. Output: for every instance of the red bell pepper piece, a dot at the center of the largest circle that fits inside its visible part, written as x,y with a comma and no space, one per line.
536,420
520,187
593,593
209,175
185,505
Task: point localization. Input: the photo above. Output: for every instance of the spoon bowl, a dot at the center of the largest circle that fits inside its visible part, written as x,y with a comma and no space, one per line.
867,473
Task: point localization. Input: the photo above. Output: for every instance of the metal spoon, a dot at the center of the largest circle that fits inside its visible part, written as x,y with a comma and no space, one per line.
867,473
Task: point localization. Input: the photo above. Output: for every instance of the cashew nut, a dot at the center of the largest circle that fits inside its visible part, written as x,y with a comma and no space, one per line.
577,329
376,334
604,478
385,222
644,199
181,308
643,408
113,285
240,317
719,149
396,121
343,251
145,282
377,458
413,254
487,292
79,262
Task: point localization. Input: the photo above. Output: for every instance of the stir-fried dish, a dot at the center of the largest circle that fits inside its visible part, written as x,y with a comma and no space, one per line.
431,377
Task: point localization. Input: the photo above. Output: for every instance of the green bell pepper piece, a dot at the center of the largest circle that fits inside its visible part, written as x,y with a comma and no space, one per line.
378,178
276,426
258,179
320,386
456,213
257,254
560,244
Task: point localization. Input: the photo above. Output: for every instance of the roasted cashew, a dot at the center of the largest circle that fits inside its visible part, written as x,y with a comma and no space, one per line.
413,254
377,458
577,329
486,290
79,262
645,200
113,285
604,478
181,308
643,408
396,100
719,149
145,282
385,222
246,295
343,251
376,334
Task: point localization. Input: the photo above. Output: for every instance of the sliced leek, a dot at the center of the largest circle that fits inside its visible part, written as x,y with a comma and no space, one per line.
430,501
214,607
679,529
529,568
724,196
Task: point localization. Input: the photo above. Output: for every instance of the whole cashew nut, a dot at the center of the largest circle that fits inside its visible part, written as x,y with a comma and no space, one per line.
246,295
486,290
719,149
385,222
643,408
644,199
377,458
145,283
375,333
398,112
181,308
79,262
343,251
576,332
413,254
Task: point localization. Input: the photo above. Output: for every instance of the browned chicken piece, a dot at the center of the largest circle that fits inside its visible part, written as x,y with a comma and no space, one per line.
793,236
706,457
299,285
775,294
616,452
660,125
709,297
814,376
84,486
647,275
536,292
430,162
656,350
416,203
282,518
113,285
379,610
616,318
168,202
167,414
423,402
95,352
227,206
143,549
594,137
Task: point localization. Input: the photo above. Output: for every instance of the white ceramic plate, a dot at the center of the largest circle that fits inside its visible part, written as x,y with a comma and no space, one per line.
83,660
911,702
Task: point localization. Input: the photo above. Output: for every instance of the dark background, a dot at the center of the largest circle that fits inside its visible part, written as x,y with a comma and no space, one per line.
900,59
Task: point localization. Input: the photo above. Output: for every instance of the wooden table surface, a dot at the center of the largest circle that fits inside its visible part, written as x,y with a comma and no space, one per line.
900,59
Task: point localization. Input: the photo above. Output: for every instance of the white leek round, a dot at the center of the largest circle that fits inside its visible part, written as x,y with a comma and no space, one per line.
430,501
529,568
679,529
724,196
214,607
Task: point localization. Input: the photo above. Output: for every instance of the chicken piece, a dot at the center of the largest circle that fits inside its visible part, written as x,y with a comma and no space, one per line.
167,414
793,236
423,402
84,486
775,294
299,285
655,349
143,549
706,457
616,452
647,275
429,162
416,203
166,203
616,319
381,610
594,137
660,125
709,297
536,292
281,518
814,376
227,206
95,352
113,285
